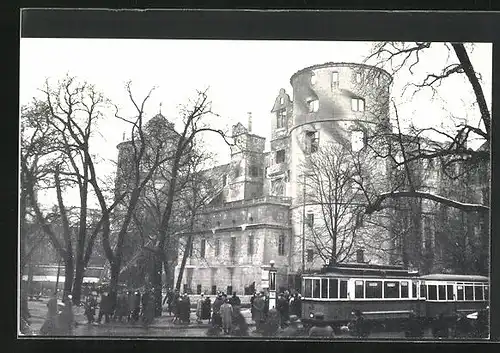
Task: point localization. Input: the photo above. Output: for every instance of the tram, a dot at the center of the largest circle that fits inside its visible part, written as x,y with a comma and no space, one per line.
389,295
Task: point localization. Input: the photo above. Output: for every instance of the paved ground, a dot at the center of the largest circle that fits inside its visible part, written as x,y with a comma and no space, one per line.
161,327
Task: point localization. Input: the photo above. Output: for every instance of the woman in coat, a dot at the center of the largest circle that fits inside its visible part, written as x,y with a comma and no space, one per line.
226,312
258,305
199,308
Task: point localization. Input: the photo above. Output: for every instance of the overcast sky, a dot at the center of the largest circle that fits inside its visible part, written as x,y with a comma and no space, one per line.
243,76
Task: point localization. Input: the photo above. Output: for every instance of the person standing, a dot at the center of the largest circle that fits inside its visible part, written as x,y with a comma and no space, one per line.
49,327
239,322
226,311
66,317
104,308
357,326
282,307
199,308
90,306
252,310
235,300
206,309
258,305
186,312
216,316
136,306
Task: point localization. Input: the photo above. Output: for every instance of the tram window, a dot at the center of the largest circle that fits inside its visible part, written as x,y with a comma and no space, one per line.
404,289
391,290
334,288
316,290
460,292
478,292
358,289
423,291
486,292
432,292
469,295
324,288
442,292
449,292
373,289
343,289
413,290
308,288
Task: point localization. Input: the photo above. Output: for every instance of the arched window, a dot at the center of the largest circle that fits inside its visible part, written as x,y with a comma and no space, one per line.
281,245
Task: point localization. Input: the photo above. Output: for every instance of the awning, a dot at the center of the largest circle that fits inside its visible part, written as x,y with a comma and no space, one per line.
61,279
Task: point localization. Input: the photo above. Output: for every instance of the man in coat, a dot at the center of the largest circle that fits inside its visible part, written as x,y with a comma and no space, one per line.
206,309
239,323
104,308
283,310
258,305
235,300
216,318
226,312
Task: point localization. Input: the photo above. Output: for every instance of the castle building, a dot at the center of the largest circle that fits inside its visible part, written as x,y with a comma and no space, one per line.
259,213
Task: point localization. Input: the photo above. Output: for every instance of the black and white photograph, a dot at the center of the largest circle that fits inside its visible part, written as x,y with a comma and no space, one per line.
255,189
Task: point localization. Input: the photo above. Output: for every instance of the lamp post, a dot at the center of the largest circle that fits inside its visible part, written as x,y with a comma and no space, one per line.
272,285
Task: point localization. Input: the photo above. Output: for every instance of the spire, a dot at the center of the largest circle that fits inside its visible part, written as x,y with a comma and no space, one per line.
249,121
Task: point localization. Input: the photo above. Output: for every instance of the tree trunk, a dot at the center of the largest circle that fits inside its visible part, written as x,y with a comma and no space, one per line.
183,263
157,285
77,286
68,276
113,284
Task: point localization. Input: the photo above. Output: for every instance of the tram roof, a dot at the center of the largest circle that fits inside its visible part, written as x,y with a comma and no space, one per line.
452,277
354,270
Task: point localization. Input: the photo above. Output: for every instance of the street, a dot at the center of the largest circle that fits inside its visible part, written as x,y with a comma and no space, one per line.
161,327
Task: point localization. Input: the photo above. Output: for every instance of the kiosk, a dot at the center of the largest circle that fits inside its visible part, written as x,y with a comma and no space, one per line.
272,285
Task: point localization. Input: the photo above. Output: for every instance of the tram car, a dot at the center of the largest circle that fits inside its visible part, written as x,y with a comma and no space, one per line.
389,295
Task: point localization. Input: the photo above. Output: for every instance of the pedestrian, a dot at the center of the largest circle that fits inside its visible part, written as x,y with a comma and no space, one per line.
199,308
292,328
136,306
104,308
121,307
239,323
283,309
66,317
90,308
226,312
206,309
216,317
320,328
252,310
235,300
272,323
258,305
296,305
186,312
358,327
266,305
148,307
50,324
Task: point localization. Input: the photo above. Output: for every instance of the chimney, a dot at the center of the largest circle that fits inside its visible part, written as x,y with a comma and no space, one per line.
249,121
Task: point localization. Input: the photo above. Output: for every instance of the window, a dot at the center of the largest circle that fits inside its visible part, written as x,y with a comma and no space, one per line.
202,248
404,289
313,105
358,289
373,289
449,292
280,156
310,254
224,180
486,292
478,292
460,292
313,78
343,289
357,105
277,187
442,292
423,291
334,288
469,295
312,141
432,292
191,248
316,288
280,118
310,219
391,289
357,140
250,244
308,288
281,245
335,79
217,247
413,289
359,78
324,288
232,248
360,256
